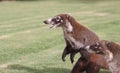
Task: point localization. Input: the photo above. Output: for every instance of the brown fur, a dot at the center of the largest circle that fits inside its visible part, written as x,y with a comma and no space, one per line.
77,38
85,36
80,33
113,47
111,52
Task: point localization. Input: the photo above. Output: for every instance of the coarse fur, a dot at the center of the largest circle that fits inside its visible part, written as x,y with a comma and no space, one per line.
76,36
111,52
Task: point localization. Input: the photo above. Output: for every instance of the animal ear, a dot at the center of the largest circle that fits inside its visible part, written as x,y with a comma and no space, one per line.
68,16
107,43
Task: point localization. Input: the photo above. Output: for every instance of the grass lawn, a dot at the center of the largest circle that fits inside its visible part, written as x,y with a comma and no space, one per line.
27,45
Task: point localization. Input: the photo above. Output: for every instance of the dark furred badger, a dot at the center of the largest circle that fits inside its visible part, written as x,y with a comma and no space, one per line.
76,36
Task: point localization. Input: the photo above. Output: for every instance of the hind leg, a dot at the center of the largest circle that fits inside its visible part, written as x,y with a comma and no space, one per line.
80,66
83,65
92,68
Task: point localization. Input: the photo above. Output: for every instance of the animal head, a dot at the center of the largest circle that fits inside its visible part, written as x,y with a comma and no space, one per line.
58,20
98,48
103,47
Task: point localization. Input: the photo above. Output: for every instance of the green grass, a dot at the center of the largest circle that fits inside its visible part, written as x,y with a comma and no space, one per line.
29,46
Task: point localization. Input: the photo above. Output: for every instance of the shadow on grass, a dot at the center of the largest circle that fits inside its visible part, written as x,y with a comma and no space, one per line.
44,70
104,71
33,70
83,1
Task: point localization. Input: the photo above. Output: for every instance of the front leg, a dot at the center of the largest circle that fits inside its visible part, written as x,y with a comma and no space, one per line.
72,55
65,52
69,50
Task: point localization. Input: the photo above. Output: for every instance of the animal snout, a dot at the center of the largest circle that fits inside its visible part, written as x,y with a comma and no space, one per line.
45,22
101,52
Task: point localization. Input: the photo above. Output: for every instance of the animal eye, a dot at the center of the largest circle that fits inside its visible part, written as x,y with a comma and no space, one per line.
57,19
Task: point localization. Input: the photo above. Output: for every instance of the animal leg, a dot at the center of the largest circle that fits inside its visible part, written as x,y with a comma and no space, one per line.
92,68
80,66
65,52
72,55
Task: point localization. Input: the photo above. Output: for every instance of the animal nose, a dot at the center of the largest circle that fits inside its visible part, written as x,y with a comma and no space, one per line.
45,22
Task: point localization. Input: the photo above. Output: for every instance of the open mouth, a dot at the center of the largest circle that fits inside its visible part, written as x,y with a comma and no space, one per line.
54,25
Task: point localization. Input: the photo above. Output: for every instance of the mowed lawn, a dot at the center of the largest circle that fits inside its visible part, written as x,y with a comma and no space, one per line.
27,45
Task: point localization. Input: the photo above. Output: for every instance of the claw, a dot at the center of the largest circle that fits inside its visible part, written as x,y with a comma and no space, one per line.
63,59
72,55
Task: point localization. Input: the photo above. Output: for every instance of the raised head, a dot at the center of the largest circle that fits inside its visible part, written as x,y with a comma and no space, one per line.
58,20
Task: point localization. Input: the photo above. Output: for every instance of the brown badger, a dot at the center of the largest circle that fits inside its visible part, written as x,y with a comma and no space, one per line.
76,36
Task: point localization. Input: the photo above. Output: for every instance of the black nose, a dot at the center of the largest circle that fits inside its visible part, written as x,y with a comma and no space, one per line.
45,22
